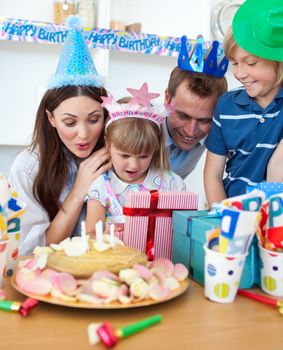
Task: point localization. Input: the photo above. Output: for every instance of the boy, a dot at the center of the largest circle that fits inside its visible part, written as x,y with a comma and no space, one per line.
248,122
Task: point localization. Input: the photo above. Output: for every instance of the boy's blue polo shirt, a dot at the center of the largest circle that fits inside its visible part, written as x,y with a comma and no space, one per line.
248,135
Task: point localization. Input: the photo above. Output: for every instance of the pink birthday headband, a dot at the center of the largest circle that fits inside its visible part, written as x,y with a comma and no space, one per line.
139,107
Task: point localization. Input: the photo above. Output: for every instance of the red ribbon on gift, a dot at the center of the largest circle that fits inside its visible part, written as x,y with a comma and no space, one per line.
152,212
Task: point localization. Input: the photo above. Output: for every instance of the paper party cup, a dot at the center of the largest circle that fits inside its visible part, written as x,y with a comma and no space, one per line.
3,260
271,271
222,275
13,252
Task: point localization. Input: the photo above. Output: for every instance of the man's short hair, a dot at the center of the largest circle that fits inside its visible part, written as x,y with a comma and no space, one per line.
200,84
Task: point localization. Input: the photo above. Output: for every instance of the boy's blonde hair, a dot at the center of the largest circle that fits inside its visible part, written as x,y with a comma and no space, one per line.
229,48
139,136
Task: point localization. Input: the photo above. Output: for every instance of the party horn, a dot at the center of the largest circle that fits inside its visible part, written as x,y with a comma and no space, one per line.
263,299
109,336
138,326
23,308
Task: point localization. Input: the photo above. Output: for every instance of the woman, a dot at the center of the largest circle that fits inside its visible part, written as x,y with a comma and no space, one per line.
54,173
66,154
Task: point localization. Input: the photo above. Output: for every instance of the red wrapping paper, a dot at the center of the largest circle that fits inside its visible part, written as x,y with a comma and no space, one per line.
148,225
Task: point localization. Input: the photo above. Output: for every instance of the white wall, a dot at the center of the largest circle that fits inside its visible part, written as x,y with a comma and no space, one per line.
167,17
26,67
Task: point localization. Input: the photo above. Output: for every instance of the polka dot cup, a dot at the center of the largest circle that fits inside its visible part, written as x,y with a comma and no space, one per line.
13,252
222,275
271,272
3,260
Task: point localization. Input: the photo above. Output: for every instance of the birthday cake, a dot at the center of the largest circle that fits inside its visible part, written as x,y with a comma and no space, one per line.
101,272
114,259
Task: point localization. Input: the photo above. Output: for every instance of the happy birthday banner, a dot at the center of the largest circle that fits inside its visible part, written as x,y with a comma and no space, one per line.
40,32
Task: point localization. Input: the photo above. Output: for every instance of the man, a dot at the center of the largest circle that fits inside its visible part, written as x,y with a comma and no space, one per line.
192,97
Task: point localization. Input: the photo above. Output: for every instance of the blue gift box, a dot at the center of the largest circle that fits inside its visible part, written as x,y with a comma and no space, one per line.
189,236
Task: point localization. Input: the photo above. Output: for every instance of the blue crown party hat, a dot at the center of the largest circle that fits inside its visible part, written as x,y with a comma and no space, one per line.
76,66
202,63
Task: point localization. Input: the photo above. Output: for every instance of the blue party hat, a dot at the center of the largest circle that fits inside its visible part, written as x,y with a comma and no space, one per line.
76,66
199,61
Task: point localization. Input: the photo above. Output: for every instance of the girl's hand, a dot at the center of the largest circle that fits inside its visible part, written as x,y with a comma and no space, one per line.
90,169
65,220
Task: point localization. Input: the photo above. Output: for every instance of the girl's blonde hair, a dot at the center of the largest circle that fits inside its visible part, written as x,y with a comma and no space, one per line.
139,136
229,48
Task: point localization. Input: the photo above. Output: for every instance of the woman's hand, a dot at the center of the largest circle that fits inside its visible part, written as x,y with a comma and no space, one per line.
65,220
90,169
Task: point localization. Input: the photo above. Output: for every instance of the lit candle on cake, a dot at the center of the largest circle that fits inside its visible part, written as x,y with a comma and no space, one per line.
83,235
112,239
99,232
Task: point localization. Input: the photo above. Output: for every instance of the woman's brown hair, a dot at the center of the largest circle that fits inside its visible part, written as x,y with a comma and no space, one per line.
53,169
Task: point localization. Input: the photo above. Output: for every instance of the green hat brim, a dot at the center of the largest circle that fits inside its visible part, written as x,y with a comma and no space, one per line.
249,32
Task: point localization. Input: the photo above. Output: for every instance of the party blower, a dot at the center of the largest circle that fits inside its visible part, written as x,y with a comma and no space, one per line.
263,299
105,332
23,308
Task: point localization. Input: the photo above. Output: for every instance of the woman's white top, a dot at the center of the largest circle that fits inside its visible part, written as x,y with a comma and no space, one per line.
35,220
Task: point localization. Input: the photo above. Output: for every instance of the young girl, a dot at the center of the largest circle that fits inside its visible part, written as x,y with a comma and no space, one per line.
134,139
248,122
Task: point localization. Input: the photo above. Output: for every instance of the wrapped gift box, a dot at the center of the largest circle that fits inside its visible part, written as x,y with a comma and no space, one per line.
189,236
148,225
182,242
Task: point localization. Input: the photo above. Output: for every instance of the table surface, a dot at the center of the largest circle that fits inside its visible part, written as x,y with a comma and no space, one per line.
189,322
